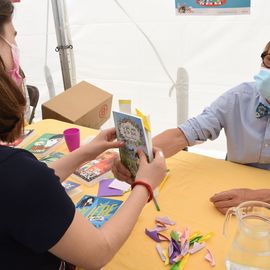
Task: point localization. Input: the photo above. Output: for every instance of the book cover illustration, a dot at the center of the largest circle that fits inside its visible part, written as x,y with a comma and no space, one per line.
72,188
93,171
212,7
97,210
130,129
44,143
25,135
51,157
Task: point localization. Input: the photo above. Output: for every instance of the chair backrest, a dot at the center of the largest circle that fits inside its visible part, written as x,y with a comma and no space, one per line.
33,93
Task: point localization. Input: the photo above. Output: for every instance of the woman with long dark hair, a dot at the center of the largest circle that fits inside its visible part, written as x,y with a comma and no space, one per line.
40,227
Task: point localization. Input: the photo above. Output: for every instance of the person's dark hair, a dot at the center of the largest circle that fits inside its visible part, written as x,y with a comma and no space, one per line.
12,108
12,101
6,11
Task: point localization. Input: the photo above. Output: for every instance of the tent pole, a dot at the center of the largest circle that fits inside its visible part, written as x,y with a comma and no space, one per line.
64,43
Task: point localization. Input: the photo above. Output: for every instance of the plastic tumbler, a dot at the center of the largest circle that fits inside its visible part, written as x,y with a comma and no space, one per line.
72,138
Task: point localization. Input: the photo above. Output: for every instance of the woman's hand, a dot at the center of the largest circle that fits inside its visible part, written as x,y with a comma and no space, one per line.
153,172
232,198
103,141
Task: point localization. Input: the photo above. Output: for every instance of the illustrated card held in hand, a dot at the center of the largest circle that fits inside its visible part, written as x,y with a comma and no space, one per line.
130,129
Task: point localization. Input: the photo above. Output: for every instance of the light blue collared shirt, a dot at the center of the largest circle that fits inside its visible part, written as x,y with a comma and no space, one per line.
248,137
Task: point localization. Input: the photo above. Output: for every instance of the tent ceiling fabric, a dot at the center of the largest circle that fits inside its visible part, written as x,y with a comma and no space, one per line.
218,52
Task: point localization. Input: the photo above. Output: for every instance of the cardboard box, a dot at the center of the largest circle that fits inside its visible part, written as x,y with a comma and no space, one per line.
83,104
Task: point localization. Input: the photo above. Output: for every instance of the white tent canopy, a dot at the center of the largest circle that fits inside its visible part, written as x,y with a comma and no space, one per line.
218,52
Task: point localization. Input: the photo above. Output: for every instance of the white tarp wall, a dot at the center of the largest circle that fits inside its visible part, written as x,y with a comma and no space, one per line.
218,52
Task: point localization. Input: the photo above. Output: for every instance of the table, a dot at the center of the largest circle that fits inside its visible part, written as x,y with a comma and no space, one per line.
184,198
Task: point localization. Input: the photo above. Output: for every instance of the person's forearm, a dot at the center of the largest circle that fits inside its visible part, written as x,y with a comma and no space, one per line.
65,166
261,195
170,141
92,248
119,227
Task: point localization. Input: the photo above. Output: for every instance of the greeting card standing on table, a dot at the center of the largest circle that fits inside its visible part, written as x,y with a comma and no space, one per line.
130,129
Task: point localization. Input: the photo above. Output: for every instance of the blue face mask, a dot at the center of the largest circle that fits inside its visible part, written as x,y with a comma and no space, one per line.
262,80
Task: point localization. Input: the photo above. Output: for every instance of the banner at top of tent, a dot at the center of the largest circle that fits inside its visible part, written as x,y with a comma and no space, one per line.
212,7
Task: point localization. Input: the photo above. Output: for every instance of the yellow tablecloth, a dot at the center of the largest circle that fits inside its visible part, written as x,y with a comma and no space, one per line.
184,198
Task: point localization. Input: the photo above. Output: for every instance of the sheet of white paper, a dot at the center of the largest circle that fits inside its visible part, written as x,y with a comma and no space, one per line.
120,185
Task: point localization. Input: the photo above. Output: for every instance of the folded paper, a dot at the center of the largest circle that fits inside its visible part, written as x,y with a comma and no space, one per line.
165,220
156,236
210,258
120,185
196,247
104,189
160,252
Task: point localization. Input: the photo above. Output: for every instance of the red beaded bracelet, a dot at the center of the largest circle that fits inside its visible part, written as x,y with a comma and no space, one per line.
146,185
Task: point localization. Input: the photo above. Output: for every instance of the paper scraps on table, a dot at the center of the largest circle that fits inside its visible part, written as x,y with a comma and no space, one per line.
180,244
175,235
173,250
167,261
210,258
183,262
156,236
165,220
160,228
185,248
196,247
184,236
120,185
161,252
105,191
206,237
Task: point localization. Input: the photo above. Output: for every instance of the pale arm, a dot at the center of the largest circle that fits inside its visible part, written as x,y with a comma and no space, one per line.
170,141
65,166
90,248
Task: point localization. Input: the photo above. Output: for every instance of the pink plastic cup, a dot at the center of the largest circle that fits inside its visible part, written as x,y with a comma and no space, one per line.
72,138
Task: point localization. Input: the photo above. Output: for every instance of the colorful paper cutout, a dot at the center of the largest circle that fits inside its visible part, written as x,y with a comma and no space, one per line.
210,258
156,236
165,220
183,262
160,252
196,247
184,236
181,244
105,191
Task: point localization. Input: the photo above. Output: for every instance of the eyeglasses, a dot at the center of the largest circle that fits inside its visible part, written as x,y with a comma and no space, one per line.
266,59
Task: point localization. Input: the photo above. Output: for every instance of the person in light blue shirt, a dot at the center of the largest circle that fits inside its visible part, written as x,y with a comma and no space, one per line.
244,113
248,137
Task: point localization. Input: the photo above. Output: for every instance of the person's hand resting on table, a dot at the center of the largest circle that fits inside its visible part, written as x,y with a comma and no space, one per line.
233,197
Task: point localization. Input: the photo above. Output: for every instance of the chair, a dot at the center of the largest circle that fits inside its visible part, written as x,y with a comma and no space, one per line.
33,93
